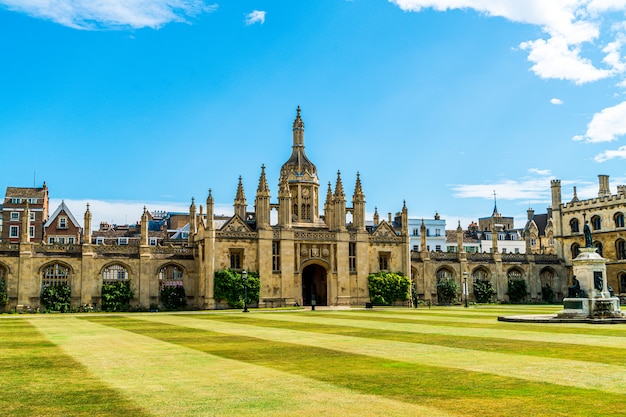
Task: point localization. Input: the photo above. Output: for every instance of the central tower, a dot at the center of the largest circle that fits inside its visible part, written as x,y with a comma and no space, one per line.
299,176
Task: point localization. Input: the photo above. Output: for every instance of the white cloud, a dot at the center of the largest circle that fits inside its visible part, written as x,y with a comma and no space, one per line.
611,154
110,14
606,125
526,189
255,16
568,24
544,172
556,101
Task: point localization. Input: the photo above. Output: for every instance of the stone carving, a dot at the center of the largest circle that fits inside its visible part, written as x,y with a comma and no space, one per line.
301,235
574,291
587,233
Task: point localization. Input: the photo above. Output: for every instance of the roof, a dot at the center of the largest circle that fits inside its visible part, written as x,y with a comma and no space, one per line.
26,192
62,207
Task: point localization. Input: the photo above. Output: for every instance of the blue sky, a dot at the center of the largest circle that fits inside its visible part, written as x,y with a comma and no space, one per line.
440,103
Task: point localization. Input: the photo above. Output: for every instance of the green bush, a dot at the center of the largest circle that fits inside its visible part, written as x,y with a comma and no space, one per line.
547,294
173,297
56,297
228,286
387,287
484,291
116,295
4,294
447,289
516,289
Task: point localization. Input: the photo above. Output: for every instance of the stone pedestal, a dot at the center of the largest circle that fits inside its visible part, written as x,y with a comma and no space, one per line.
594,299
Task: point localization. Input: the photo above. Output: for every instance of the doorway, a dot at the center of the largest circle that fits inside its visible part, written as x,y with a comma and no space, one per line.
314,285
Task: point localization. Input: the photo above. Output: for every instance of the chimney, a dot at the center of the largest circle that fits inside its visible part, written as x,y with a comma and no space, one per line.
603,190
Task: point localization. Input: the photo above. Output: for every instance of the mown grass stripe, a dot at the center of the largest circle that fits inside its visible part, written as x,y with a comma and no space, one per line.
174,379
468,393
579,374
612,356
461,329
39,379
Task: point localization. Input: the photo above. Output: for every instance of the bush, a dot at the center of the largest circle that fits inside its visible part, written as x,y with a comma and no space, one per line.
4,294
56,297
228,285
547,294
173,297
116,295
387,287
517,290
446,290
484,291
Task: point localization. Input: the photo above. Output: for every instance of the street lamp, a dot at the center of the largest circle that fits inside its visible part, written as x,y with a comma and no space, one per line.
465,288
244,278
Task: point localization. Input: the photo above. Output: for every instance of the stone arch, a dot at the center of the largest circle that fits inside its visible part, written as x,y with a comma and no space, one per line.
574,225
515,273
481,273
549,285
107,271
56,272
444,272
171,275
575,248
315,284
619,219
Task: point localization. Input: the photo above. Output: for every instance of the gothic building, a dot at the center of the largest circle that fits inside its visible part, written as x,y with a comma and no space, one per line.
312,252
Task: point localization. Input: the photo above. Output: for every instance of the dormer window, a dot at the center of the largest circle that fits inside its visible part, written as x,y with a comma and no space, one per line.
62,222
122,241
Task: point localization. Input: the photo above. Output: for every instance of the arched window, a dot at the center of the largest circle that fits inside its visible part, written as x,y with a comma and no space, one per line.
575,250
599,247
619,219
514,274
622,282
55,274
443,274
574,225
170,276
596,223
3,277
480,275
620,249
114,273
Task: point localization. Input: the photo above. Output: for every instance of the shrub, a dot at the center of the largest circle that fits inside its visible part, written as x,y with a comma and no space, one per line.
387,287
4,294
173,297
547,294
56,297
446,290
484,291
516,289
116,295
228,285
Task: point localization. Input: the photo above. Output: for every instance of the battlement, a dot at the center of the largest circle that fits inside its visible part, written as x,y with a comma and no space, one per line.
600,202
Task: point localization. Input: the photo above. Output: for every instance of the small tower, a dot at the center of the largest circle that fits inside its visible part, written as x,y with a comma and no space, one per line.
144,227
459,238
358,205
284,202
192,220
603,190
210,211
423,246
376,216
87,230
339,199
405,219
240,201
328,207
25,232
262,203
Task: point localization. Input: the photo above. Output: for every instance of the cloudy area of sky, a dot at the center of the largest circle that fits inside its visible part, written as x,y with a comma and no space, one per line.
441,103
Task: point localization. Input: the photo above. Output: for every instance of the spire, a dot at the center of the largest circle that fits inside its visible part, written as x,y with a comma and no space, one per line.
240,197
87,228
263,182
495,204
575,198
376,216
240,201
210,208
339,186
298,130
358,190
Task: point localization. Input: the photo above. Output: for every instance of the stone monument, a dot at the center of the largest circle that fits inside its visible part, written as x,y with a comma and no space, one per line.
589,296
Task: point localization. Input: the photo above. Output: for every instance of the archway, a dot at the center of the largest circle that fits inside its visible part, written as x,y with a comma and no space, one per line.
314,285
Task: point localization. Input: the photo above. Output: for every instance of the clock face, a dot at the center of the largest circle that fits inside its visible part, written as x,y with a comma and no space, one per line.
305,192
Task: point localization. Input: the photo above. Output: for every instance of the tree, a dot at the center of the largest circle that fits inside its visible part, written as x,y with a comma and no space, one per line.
447,289
388,287
228,285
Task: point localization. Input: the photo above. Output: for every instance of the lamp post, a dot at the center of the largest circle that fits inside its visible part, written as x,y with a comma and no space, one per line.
244,278
465,288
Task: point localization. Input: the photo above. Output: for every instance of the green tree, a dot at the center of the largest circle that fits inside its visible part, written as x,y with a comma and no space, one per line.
4,294
447,289
516,289
484,291
56,297
387,287
173,297
228,285
116,295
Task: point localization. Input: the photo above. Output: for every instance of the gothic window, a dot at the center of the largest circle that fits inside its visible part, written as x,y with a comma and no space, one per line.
170,276
114,273
352,256
55,274
575,250
622,282
620,249
596,223
3,276
275,256
619,220
574,226
236,258
480,275
514,274
383,261
547,278
599,247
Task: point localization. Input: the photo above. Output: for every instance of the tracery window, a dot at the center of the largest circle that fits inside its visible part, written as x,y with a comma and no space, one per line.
55,274
114,273
480,275
170,276
514,274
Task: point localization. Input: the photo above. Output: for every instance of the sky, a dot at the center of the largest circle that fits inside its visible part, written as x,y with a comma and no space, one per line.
444,104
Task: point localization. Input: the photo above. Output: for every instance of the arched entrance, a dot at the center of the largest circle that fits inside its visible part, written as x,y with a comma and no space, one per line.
314,285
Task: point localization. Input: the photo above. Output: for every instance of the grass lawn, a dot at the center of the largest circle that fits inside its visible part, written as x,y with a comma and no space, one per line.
443,361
